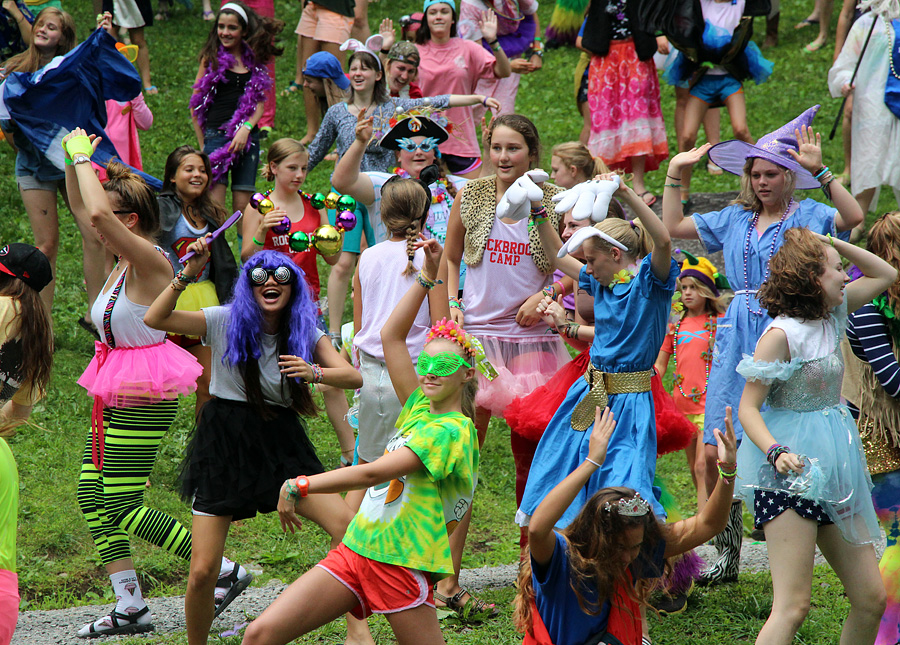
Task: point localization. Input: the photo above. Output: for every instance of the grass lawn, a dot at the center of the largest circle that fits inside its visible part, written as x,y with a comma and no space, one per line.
57,563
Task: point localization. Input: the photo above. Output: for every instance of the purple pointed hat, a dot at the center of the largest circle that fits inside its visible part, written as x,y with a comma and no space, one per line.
731,155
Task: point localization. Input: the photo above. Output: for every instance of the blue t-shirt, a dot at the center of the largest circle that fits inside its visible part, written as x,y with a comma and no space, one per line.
558,605
630,319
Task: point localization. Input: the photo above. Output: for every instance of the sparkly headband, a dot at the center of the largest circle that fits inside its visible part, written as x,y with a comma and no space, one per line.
450,330
239,10
634,507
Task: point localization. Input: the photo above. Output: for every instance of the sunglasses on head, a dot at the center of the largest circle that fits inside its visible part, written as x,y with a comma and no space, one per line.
259,275
429,144
442,364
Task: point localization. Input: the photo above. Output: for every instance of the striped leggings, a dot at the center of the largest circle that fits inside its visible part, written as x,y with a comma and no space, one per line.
112,499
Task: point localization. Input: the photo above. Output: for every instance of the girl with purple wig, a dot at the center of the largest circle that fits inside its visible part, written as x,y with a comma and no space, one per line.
266,353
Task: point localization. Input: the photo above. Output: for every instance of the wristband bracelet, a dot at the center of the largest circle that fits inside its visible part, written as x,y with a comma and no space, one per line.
484,101
318,375
774,452
248,125
591,461
821,172
562,288
830,239
257,242
185,279
456,303
673,185
673,178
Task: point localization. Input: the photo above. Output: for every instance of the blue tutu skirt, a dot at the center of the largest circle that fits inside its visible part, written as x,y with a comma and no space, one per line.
835,476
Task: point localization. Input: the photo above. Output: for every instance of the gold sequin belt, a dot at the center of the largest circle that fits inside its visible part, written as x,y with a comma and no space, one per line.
881,457
600,386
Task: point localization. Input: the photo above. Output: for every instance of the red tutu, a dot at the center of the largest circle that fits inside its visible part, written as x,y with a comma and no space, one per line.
528,416
131,376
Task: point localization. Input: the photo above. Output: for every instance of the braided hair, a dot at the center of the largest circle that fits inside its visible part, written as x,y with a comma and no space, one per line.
405,204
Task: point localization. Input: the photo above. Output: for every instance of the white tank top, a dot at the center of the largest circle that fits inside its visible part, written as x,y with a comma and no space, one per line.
120,321
498,285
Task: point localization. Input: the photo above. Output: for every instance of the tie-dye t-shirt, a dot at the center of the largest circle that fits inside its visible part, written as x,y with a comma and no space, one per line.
407,521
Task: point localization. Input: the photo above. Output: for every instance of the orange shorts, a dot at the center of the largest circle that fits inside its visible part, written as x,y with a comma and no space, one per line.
380,588
323,25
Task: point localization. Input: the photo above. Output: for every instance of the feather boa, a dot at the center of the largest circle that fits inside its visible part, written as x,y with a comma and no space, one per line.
254,93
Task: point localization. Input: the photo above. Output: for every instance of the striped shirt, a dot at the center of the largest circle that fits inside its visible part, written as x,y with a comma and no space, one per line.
871,342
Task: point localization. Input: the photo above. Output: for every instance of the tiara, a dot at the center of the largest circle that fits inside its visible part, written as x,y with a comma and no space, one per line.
634,507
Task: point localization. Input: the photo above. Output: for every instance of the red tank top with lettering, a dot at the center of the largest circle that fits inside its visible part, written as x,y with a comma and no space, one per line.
307,259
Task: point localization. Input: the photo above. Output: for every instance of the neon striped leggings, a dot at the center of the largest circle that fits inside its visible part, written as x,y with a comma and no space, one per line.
112,499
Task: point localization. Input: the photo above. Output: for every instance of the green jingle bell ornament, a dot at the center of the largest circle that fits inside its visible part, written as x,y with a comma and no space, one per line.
317,201
346,203
299,242
331,199
328,240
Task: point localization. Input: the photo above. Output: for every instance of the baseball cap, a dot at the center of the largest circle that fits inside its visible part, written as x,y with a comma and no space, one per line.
405,52
326,65
26,263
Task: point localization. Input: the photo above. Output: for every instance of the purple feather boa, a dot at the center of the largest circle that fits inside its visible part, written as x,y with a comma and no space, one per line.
254,94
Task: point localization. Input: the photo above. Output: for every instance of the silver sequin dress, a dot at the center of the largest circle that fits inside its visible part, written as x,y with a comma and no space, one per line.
805,414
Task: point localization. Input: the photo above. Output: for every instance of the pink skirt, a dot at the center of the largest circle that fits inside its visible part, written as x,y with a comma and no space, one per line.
626,119
522,364
131,376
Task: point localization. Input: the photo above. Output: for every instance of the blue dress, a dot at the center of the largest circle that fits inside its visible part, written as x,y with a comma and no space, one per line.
629,327
737,332
805,414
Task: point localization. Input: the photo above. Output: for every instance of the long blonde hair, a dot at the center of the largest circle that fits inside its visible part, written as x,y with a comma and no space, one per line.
630,234
404,209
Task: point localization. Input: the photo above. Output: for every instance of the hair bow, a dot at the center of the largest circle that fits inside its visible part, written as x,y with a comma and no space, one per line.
372,46
514,204
588,199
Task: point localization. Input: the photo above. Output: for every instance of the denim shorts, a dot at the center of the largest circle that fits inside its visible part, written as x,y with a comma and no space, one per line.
715,88
244,169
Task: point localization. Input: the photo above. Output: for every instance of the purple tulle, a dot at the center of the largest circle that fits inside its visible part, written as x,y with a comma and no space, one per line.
254,93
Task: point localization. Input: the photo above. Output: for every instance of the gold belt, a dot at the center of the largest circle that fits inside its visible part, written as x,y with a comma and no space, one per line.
601,385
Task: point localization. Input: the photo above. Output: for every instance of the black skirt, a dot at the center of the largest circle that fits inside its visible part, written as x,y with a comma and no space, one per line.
237,461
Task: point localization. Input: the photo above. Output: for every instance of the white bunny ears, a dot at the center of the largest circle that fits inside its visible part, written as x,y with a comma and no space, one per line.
581,235
588,199
516,201
372,46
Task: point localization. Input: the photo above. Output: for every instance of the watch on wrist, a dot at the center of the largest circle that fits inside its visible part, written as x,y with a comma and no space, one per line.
80,158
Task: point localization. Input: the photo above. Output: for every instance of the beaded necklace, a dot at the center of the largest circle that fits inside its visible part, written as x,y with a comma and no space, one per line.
889,32
750,231
694,395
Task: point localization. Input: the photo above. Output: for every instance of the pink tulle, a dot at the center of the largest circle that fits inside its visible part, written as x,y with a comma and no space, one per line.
132,376
522,365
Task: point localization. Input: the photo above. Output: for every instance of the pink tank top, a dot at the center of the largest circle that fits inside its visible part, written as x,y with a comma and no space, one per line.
504,279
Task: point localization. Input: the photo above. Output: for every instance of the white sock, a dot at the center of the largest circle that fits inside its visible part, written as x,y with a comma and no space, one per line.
128,591
228,566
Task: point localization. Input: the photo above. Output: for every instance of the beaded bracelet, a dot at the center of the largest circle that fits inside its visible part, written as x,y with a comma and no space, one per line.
539,215
426,282
775,451
177,286
456,303
570,330
185,279
317,372
823,170
549,291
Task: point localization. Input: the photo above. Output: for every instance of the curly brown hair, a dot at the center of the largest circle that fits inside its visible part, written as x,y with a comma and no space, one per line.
884,241
793,288
594,546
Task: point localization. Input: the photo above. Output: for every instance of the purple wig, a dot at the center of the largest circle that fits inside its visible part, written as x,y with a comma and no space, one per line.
246,325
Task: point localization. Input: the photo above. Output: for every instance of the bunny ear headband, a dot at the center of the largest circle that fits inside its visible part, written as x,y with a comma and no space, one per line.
581,235
516,201
372,46
588,199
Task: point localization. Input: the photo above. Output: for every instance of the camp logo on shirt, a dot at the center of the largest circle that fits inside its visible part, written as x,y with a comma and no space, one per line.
506,252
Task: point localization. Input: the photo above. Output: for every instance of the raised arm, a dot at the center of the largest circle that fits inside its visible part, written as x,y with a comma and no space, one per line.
661,257
347,179
878,275
541,540
686,534
396,328
453,252
162,314
672,210
488,27
552,243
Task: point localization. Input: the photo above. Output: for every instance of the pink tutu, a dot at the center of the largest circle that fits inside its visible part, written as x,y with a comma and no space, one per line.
132,376
522,364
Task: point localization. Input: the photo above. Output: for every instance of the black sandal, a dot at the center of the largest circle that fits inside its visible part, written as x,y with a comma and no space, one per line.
121,624
474,609
235,586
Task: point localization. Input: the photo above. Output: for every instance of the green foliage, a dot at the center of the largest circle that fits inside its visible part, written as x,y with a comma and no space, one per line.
57,561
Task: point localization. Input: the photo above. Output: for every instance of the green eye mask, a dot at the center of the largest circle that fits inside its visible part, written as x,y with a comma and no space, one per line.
443,364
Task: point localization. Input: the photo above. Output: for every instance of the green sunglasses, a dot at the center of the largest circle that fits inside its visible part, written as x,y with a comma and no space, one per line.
443,364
